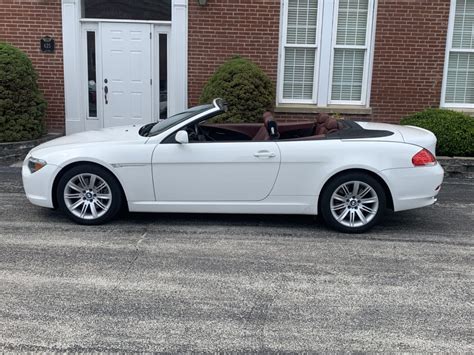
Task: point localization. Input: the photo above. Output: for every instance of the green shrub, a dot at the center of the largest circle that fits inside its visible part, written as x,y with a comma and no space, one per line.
22,106
454,130
246,88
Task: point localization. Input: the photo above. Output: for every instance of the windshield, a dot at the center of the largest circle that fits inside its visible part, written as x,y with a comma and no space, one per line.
153,129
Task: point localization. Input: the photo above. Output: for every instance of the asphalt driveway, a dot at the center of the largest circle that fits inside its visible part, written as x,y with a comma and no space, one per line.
163,282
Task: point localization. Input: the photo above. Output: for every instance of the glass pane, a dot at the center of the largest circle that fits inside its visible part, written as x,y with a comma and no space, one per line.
298,76
158,10
91,74
460,80
463,34
163,65
302,21
348,74
352,22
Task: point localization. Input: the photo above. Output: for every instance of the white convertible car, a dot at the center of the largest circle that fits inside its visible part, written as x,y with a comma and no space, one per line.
349,172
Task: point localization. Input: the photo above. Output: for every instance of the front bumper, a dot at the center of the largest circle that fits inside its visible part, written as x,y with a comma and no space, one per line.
414,187
38,185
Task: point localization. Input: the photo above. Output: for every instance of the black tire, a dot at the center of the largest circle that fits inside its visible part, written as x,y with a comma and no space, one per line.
352,204
113,189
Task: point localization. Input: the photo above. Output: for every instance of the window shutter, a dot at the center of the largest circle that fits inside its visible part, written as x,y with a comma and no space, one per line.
300,50
350,50
460,74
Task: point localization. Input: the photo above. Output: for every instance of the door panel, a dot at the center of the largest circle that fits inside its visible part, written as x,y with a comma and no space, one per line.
126,71
243,171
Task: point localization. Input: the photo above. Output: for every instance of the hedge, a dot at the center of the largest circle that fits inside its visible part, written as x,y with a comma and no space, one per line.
454,130
22,106
246,88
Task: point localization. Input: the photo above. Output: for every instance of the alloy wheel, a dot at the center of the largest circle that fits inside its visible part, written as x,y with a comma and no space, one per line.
87,196
354,204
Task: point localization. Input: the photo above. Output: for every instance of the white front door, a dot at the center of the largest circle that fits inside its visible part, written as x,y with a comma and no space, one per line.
126,73
243,171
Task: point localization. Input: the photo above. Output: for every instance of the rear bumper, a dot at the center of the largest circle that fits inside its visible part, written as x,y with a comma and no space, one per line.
414,187
38,185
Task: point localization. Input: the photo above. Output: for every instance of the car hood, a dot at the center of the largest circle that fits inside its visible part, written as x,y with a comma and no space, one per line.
407,134
110,135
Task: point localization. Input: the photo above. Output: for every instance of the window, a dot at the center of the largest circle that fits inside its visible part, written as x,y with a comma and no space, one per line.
300,49
459,72
91,75
325,52
157,10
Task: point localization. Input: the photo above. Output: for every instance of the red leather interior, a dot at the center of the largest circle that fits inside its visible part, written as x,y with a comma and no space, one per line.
325,124
291,131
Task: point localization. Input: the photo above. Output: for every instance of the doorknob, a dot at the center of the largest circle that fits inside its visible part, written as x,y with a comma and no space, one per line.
264,154
106,91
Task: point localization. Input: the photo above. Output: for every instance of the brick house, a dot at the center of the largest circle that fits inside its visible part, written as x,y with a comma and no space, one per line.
123,61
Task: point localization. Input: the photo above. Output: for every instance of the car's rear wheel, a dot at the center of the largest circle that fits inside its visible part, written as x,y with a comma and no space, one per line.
89,194
353,203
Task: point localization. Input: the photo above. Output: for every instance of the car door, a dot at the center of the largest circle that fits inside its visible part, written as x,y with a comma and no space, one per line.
213,171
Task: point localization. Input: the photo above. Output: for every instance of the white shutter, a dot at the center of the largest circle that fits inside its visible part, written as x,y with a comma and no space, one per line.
459,83
299,50
350,48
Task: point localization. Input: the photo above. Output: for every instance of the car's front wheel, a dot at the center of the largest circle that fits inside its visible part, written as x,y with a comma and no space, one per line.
89,194
353,203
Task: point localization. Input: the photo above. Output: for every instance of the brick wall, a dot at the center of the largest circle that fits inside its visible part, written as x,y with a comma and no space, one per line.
408,63
410,49
23,23
224,28
408,58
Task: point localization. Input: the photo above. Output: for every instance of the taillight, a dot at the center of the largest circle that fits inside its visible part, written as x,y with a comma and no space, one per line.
423,158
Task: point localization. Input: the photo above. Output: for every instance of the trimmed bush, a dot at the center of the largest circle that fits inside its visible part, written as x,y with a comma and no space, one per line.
22,106
246,88
454,130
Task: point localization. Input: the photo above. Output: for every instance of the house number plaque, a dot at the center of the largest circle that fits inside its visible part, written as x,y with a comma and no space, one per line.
47,44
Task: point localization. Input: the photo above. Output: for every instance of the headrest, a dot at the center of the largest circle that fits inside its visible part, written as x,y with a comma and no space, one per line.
331,124
322,117
267,114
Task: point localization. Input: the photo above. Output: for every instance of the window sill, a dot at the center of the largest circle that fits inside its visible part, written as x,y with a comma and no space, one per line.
468,111
342,109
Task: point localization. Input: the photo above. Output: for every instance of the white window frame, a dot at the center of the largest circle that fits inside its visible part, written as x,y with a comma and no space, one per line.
282,48
367,47
449,50
326,44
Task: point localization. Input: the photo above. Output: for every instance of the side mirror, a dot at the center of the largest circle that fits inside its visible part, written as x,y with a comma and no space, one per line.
182,137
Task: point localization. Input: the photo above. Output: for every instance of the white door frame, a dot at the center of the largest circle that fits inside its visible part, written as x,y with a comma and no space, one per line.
73,56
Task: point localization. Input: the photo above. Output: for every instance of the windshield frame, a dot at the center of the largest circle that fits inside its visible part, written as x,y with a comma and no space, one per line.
176,119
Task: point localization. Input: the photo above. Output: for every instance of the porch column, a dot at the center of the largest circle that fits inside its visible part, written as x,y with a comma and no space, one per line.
178,76
71,14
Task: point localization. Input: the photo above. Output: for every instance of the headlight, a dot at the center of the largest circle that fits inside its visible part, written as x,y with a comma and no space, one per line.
35,164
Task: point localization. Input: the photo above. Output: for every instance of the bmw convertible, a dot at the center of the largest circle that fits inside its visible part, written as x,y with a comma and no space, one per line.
348,172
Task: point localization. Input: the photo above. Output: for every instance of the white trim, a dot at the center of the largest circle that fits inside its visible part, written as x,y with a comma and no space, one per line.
371,54
74,52
325,53
152,22
449,50
178,86
449,41
73,109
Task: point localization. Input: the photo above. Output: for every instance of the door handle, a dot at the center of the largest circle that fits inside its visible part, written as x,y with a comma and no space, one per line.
106,91
264,154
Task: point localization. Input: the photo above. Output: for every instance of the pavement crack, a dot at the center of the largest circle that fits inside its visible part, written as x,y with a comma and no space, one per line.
131,262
